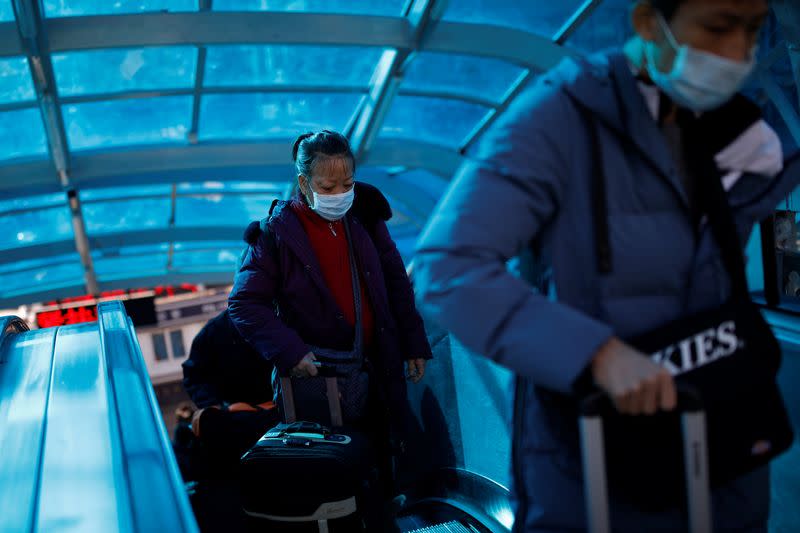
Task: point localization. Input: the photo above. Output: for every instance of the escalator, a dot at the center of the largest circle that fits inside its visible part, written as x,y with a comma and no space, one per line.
82,443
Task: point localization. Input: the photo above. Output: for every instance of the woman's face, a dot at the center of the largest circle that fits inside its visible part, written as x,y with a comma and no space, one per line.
331,175
726,28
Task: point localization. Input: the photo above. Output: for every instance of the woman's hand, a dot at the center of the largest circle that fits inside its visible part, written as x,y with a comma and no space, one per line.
636,384
415,369
306,367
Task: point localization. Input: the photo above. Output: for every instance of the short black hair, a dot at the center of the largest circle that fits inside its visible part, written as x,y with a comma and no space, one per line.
310,147
667,7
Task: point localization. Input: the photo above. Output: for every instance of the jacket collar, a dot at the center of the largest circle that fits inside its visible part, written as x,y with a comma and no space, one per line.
288,228
605,86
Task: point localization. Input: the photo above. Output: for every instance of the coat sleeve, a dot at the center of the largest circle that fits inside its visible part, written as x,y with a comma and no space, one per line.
401,296
499,201
778,189
198,372
252,310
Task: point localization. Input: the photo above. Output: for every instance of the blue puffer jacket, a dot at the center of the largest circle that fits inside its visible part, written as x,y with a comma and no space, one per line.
530,182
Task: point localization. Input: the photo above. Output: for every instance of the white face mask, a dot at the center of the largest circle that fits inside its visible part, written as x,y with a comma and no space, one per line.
700,81
332,206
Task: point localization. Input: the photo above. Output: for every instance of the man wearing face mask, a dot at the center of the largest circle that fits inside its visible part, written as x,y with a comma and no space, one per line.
637,118
296,291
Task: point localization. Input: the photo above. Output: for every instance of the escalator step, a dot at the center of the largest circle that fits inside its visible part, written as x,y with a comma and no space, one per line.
446,527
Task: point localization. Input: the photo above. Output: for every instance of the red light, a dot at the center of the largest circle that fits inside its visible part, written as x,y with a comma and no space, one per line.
50,319
78,315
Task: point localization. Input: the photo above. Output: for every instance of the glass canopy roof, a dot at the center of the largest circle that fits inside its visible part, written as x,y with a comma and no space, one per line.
175,128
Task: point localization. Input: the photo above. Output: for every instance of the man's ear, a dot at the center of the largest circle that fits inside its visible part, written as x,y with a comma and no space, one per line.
643,19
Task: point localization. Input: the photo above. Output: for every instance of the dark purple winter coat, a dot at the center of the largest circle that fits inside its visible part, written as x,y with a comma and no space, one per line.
281,305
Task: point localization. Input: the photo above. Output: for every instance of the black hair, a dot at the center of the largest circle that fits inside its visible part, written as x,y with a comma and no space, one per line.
667,7
310,148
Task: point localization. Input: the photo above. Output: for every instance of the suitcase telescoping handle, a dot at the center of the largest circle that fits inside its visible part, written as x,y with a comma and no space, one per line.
695,453
330,373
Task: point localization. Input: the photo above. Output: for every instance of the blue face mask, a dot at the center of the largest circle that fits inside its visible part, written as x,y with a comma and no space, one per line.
332,206
699,81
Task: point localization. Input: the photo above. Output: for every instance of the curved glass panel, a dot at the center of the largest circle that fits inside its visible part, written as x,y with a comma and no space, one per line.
128,251
428,183
73,8
22,134
33,264
372,7
457,74
33,202
106,71
207,246
221,210
253,116
46,276
35,227
6,11
325,66
434,120
543,18
128,122
126,215
131,266
232,186
15,80
608,26
131,191
224,259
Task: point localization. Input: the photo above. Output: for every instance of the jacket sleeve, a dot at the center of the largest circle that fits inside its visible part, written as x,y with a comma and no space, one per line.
401,296
781,186
499,201
252,311
198,372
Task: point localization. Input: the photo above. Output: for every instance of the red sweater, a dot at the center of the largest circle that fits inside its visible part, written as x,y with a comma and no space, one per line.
329,242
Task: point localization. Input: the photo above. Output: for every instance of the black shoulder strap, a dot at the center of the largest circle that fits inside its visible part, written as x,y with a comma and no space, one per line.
703,167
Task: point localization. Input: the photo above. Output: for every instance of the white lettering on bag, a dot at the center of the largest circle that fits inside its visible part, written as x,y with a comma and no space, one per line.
700,349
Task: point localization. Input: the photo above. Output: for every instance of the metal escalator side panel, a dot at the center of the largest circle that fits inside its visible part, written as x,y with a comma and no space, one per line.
81,474
26,361
158,500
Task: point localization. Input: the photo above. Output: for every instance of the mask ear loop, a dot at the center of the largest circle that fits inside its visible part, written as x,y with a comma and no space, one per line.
673,42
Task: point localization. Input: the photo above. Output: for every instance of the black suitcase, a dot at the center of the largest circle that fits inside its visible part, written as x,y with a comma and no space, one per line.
695,453
303,474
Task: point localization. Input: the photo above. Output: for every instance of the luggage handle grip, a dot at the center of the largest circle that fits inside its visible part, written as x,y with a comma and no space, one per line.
334,402
695,453
324,369
600,404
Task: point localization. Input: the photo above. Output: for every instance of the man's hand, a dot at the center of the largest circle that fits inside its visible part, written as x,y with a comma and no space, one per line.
305,368
415,369
636,384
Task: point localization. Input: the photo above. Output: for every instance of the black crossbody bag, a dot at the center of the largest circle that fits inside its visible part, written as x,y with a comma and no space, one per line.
728,355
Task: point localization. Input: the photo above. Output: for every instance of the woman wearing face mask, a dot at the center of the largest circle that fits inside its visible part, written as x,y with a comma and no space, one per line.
295,288
635,118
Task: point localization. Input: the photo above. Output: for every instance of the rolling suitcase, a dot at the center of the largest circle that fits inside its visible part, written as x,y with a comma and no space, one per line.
302,474
695,453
